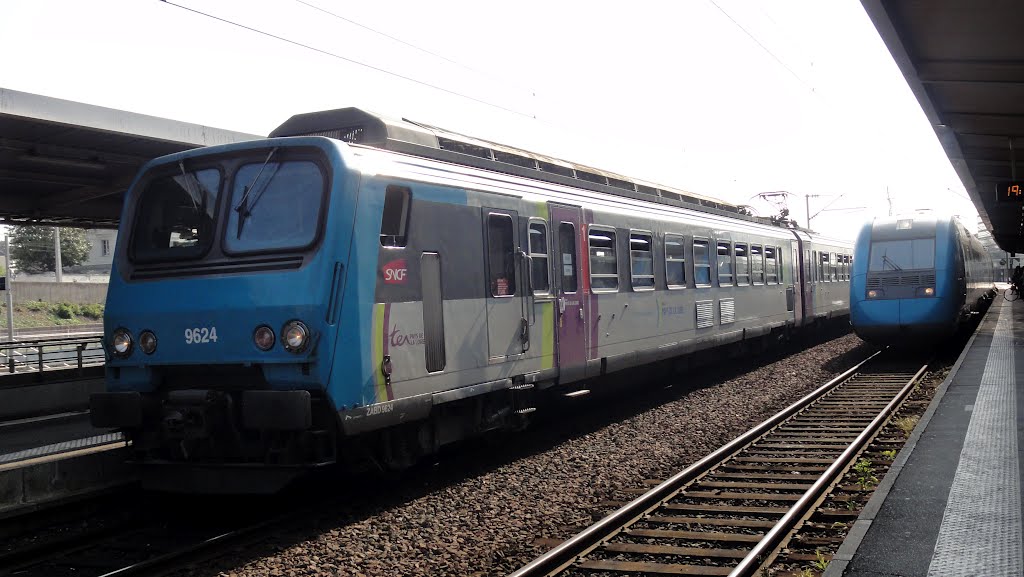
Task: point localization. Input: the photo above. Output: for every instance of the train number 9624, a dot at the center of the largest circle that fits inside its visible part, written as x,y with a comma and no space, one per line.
200,335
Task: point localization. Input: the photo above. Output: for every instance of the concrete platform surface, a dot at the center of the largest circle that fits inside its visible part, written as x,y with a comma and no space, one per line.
951,503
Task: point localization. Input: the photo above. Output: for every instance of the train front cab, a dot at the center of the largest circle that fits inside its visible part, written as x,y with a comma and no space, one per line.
904,285
219,323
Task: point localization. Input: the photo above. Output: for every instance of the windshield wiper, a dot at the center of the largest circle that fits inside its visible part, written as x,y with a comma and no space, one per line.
888,261
243,209
189,179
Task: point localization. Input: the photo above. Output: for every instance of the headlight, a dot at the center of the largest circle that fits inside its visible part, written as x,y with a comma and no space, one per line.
263,337
875,293
926,291
295,336
147,342
121,342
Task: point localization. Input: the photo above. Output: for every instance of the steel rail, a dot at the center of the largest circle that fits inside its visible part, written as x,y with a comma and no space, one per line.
765,548
568,552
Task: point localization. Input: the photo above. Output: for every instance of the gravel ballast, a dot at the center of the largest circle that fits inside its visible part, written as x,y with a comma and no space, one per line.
479,512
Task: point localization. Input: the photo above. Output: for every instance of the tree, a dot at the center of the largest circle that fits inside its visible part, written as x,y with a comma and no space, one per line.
32,248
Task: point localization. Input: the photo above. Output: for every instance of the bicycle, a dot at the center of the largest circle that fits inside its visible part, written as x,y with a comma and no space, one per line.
1013,292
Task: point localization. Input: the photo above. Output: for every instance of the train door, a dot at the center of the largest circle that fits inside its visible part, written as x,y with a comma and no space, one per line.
805,279
794,282
507,328
569,287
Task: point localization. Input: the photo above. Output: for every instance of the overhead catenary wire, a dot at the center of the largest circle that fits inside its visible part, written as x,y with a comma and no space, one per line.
765,48
351,60
410,45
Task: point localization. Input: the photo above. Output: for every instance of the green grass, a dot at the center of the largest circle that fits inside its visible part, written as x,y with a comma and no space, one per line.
42,314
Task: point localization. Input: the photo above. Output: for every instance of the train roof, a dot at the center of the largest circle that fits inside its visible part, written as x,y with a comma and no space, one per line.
916,225
357,126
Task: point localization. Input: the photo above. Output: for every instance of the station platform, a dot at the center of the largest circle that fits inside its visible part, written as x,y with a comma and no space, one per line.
950,505
50,459
29,438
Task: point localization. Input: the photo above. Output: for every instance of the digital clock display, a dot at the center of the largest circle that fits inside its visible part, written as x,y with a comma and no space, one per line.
1010,191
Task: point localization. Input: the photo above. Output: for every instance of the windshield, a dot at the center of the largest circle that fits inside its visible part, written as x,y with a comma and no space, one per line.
282,209
176,216
906,254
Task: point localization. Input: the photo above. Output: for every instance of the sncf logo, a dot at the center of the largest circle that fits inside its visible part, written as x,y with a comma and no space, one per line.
395,272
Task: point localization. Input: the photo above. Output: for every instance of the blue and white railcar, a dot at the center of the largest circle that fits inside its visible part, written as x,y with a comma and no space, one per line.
916,279
364,286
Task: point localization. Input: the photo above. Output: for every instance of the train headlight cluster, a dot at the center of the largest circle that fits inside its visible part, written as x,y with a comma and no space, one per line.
875,293
147,342
295,336
926,291
121,342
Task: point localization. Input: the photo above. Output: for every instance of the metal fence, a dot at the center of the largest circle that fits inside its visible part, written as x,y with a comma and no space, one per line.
43,354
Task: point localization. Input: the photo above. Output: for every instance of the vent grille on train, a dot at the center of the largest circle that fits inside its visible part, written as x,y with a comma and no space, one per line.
705,314
727,311
353,134
876,282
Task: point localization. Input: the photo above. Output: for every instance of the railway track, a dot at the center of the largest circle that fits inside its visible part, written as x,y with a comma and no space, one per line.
134,543
734,512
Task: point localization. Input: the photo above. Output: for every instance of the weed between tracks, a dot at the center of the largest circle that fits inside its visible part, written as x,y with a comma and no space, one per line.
812,547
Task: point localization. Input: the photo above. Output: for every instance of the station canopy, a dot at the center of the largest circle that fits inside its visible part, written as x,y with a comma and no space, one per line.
69,164
964,60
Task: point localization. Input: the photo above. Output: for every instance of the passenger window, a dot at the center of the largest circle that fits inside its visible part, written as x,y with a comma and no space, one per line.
771,265
742,264
395,221
725,276
834,265
778,258
501,255
809,265
641,261
539,257
701,263
756,264
823,275
604,269
675,261
567,247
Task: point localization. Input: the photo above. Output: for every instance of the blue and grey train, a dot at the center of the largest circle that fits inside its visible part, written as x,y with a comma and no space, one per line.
364,289
916,278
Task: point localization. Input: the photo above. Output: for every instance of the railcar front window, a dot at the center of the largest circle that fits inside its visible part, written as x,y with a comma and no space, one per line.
175,219
274,206
908,254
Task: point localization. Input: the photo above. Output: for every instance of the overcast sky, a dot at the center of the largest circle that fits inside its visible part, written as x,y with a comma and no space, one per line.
726,98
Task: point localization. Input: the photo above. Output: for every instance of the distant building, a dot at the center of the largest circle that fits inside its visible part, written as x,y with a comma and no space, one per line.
101,255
